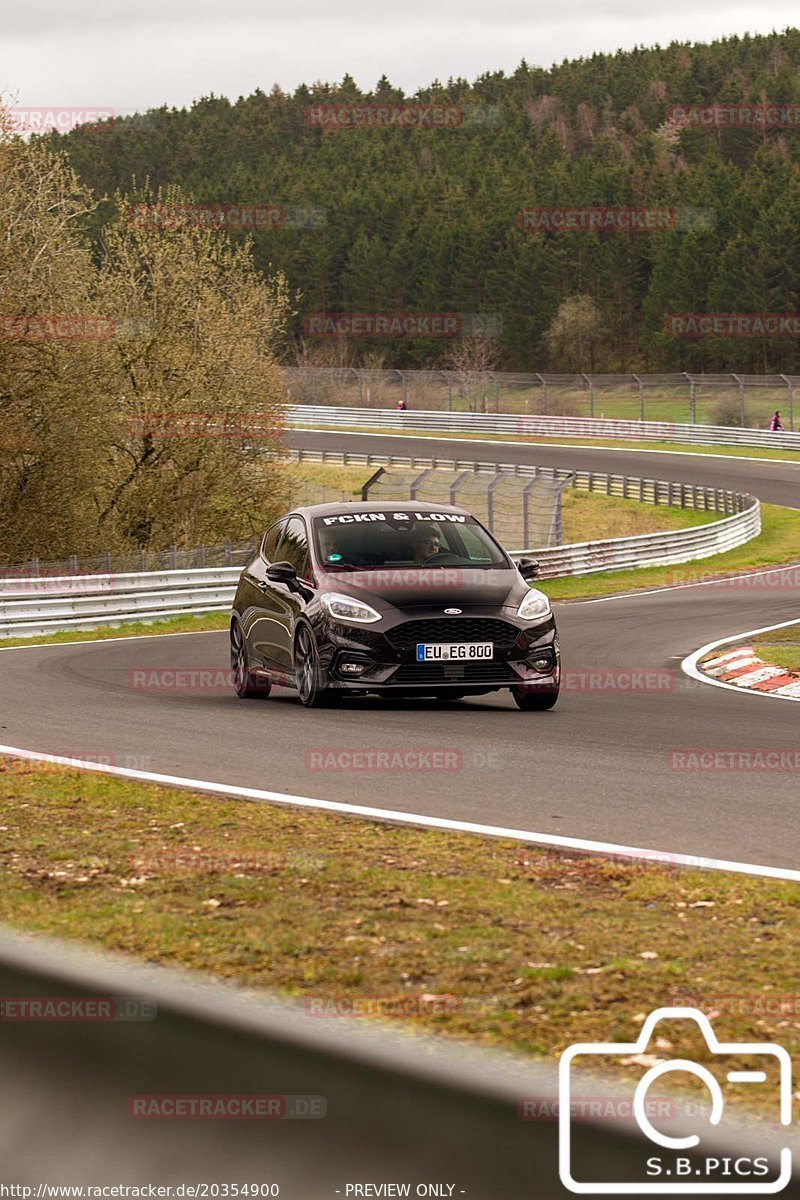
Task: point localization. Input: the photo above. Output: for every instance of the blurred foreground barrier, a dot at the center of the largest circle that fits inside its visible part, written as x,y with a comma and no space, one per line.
397,1108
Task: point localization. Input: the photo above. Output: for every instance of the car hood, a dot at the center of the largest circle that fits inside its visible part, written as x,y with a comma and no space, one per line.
429,587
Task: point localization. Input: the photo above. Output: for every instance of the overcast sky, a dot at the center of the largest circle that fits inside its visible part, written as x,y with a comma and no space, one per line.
128,55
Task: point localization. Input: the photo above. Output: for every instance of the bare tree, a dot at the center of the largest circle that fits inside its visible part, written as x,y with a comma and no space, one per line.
575,330
473,359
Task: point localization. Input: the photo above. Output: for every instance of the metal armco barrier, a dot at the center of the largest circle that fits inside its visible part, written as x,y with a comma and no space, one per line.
47,604
318,416
401,1108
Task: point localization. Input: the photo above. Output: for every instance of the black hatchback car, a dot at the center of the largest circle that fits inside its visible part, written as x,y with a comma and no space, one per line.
402,598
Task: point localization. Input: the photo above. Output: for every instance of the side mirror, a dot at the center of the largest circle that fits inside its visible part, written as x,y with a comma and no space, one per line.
528,568
281,572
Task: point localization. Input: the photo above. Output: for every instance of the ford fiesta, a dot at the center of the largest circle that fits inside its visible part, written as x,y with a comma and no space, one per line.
404,598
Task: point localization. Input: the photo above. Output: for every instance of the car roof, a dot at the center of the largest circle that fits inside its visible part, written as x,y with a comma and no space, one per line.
346,506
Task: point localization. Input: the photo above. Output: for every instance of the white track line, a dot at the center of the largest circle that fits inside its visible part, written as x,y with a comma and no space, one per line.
458,436
127,637
690,667
416,819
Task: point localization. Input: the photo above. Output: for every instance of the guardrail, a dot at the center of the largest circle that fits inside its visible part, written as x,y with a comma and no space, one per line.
65,1104
316,416
727,399
45,604
741,523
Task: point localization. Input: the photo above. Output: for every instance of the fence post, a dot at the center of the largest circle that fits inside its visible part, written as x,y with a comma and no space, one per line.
590,386
638,380
490,502
107,562
790,397
740,382
544,391
73,564
692,399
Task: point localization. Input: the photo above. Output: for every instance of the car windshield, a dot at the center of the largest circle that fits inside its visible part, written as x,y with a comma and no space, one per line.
360,540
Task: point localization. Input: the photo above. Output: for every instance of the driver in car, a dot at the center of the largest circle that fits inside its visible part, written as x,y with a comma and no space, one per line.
426,543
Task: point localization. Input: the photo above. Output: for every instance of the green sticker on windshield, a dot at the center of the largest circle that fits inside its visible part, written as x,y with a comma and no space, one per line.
334,558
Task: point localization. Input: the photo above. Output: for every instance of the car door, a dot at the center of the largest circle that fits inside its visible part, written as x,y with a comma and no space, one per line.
293,548
280,603
261,619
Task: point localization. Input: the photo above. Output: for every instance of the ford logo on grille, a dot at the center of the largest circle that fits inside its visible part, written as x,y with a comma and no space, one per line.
452,612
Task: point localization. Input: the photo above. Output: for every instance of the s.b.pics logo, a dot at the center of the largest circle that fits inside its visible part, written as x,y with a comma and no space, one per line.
676,1156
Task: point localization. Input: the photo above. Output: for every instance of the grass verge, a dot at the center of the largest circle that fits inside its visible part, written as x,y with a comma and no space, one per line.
192,624
781,647
777,544
477,939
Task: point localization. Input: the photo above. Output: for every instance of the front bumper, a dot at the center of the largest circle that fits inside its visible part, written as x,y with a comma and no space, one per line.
356,658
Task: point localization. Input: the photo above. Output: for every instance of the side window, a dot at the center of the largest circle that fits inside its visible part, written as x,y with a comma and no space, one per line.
271,539
293,546
475,548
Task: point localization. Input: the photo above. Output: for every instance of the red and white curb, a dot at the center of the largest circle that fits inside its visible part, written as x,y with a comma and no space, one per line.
741,669
745,669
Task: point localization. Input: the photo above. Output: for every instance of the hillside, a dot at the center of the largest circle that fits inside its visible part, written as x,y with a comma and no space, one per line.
428,219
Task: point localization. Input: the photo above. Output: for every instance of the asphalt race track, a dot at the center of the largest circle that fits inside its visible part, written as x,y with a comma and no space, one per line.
772,481
599,766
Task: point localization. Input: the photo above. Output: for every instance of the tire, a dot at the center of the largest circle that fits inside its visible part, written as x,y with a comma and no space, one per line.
307,672
246,684
530,701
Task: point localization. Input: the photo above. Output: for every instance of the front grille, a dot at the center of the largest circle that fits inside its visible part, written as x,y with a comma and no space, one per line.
468,673
456,629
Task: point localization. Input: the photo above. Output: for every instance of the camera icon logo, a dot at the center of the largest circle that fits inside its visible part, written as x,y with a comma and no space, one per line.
679,1164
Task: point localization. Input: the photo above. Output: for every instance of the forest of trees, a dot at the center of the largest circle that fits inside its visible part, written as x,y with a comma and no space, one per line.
427,220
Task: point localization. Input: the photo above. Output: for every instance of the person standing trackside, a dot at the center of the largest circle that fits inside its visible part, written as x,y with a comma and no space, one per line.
400,406
776,425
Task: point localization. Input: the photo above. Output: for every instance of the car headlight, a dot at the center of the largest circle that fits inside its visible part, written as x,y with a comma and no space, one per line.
534,606
345,608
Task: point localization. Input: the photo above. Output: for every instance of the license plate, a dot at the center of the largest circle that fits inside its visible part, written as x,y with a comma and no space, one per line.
454,651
